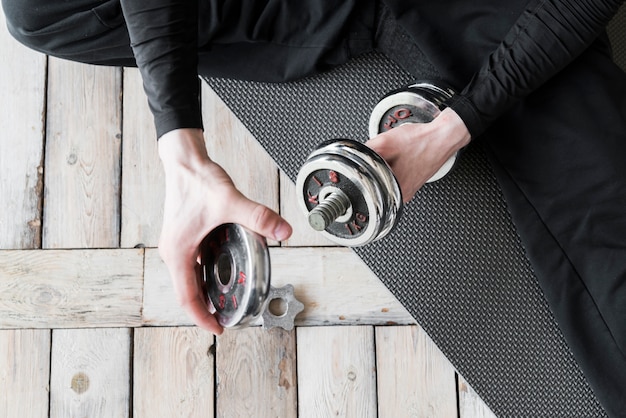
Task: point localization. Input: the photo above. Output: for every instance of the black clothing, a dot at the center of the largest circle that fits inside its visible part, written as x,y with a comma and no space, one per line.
559,159
558,152
509,48
233,39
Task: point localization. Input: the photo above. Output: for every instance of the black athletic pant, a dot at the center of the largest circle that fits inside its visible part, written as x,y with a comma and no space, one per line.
560,157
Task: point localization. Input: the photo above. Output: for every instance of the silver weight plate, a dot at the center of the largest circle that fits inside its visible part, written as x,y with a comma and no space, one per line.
417,103
361,175
236,270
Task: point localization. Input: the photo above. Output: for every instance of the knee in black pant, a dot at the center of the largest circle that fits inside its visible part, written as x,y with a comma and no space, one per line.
25,20
90,31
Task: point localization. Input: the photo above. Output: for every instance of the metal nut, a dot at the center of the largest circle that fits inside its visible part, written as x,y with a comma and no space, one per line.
285,315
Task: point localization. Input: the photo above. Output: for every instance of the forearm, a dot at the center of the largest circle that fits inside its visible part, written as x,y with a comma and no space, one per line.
547,37
164,40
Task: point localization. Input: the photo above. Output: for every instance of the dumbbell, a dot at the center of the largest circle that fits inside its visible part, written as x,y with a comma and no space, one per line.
347,191
236,270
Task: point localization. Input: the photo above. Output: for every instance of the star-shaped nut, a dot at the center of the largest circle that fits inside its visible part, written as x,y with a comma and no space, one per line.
288,307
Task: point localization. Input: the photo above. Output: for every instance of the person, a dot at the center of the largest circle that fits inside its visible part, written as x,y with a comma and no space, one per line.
535,81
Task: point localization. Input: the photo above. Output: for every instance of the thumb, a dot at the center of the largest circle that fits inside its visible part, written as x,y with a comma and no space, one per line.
261,219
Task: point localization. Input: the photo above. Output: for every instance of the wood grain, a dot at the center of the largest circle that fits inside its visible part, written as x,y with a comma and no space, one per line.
414,378
24,373
82,184
71,288
256,374
232,146
143,180
470,404
337,372
22,85
173,373
334,284
90,373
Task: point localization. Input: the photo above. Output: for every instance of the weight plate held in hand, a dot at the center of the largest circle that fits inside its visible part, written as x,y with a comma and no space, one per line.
236,269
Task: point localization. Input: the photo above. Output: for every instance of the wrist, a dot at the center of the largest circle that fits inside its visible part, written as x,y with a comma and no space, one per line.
182,148
455,132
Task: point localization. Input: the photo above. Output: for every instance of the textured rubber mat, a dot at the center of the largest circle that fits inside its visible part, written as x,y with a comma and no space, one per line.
617,33
454,261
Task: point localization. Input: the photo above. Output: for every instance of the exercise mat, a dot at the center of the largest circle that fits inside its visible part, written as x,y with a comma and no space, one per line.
454,260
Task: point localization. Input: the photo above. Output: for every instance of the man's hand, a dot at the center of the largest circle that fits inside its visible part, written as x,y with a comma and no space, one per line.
199,196
417,151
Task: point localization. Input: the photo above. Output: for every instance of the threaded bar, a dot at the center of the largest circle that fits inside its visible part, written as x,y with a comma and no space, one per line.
328,210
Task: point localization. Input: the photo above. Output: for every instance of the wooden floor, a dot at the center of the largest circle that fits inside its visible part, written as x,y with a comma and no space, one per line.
88,322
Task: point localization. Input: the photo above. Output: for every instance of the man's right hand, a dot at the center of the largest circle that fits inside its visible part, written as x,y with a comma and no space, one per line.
200,196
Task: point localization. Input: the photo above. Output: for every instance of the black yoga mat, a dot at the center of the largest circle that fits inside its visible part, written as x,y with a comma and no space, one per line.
454,260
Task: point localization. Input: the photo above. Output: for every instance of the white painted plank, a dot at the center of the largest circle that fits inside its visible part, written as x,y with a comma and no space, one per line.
70,288
22,86
336,372
81,193
24,373
90,373
173,373
231,145
256,374
470,404
143,181
303,235
415,379
334,284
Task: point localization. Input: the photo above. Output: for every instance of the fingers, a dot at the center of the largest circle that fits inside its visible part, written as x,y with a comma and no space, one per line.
199,199
191,298
261,219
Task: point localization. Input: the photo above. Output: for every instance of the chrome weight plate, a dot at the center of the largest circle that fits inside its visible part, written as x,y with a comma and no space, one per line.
348,193
236,270
418,103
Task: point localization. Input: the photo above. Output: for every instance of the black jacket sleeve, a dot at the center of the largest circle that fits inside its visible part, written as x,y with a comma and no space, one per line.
548,35
163,36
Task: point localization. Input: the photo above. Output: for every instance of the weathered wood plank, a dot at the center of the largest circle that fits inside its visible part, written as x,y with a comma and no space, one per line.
470,404
90,373
334,284
256,374
337,372
143,181
82,180
159,301
414,378
303,235
22,85
24,373
70,288
173,373
230,144
24,354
